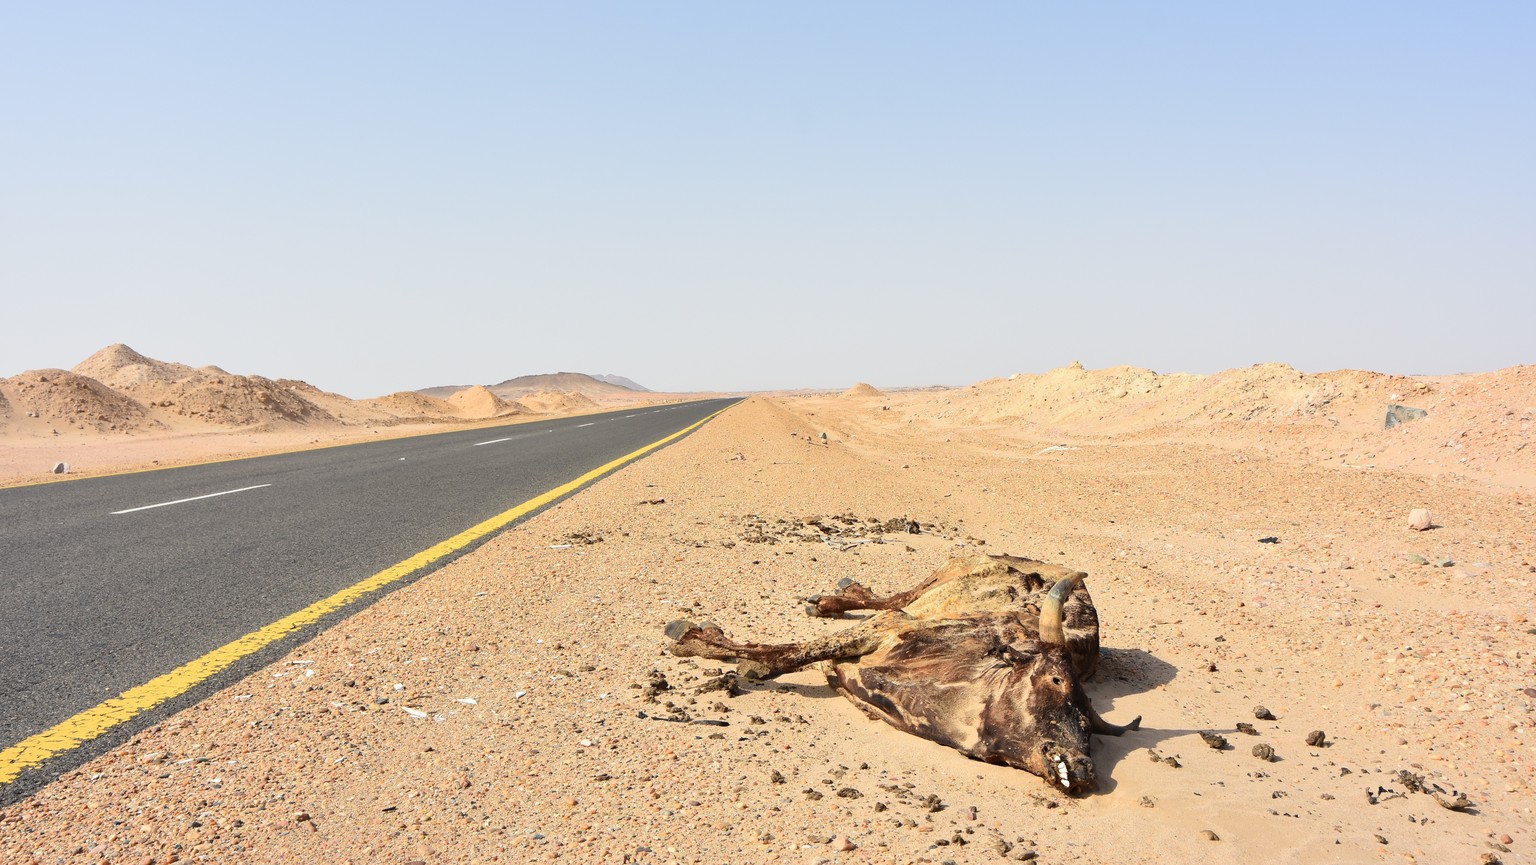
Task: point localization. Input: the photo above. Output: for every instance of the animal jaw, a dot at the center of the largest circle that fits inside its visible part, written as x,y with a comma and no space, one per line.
1075,775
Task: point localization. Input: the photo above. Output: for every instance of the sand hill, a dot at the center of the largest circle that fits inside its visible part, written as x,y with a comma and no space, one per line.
563,382
45,400
480,402
118,366
546,402
411,404
559,382
861,390
556,392
1476,423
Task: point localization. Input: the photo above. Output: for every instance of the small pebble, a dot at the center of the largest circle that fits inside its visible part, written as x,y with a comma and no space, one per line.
1264,752
1316,739
1209,835
1263,714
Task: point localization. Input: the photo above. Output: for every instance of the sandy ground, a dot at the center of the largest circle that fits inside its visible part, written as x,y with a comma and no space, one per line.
506,707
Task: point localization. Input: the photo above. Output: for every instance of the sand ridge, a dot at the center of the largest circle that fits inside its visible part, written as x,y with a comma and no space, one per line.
479,402
556,401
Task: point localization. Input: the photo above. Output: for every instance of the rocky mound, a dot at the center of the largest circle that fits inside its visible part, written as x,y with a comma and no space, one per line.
174,392
548,402
61,401
118,366
242,401
862,390
479,402
1127,399
410,404
119,390
1474,423
343,409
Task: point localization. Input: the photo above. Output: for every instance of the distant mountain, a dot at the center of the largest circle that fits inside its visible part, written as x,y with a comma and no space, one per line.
559,382
621,381
442,391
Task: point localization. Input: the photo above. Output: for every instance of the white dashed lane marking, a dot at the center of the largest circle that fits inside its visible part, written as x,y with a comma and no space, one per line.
192,499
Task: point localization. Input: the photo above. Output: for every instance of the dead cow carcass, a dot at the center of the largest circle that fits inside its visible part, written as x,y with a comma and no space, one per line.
987,656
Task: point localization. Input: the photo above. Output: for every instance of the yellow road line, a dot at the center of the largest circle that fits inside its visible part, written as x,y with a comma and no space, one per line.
93,722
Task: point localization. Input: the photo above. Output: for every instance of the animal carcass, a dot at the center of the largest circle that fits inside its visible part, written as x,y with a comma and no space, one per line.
987,656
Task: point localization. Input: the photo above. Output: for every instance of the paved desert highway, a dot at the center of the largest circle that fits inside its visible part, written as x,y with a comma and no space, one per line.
100,592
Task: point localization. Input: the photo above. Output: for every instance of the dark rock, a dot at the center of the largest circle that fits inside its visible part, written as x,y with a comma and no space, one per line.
1215,740
1400,414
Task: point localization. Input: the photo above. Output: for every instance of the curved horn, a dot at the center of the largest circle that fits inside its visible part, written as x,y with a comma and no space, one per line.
1050,610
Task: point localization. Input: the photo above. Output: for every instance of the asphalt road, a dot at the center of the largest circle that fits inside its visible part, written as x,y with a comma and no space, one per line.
108,582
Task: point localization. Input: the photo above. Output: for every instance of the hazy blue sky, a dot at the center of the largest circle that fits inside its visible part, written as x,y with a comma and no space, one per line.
384,196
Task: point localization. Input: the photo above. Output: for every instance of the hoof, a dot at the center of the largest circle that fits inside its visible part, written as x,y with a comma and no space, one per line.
844,583
678,627
813,599
810,609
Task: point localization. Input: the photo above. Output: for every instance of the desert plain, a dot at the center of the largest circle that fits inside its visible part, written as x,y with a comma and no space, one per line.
1248,543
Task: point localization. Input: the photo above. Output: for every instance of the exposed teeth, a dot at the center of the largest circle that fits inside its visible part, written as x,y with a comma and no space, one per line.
1061,769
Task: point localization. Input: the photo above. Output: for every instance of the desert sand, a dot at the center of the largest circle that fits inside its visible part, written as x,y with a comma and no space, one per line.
1248,543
